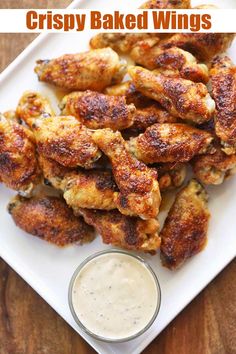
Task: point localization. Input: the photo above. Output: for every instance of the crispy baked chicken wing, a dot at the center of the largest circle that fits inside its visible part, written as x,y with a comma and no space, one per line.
123,231
92,70
166,4
139,191
214,168
173,142
31,106
53,172
65,140
170,175
120,42
96,110
18,161
130,92
183,63
202,45
50,219
185,230
223,81
93,189
181,98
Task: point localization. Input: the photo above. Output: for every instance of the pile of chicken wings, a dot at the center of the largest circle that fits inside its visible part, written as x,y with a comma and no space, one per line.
118,146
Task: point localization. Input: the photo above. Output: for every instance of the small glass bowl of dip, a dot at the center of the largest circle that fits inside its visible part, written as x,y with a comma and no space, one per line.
114,296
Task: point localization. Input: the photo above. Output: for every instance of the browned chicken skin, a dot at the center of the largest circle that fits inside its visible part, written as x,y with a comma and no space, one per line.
65,140
183,63
214,168
171,175
139,191
223,81
92,70
166,4
120,42
32,105
18,161
170,143
93,189
185,230
202,45
50,219
123,231
181,98
96,110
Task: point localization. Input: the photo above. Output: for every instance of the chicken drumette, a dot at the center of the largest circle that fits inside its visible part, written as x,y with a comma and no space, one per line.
171,175
185,230
139,191
50,219
173,142
223,81
124,231
182,98
166,4
18,161
65,140
96,110
92,70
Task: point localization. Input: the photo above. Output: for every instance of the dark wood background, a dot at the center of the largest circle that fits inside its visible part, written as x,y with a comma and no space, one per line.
29,326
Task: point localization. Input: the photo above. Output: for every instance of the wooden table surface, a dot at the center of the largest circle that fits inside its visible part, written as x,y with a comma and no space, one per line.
28,325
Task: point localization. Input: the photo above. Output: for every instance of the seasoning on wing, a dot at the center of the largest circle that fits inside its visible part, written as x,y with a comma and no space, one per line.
170,142
185,230
223,81
139,190
182,63
124,231
181,98
171,175
92,70
96,110
202,45
50,219
94,189
18,161
214,168
65,140
31,106
166,4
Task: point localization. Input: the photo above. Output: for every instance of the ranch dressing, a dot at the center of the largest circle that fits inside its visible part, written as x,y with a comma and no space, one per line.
114,296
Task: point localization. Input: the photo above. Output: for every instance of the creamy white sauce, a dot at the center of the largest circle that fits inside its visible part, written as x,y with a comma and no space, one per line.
114,296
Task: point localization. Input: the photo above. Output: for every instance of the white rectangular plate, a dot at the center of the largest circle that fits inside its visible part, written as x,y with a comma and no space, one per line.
48,269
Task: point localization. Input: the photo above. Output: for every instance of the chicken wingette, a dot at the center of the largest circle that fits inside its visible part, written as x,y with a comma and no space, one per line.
202,45
92,70
181,98
93,189
65,140
50,219
184,233
214,168
18,161
178,60
171,175
127,232
31,106
170,142
96,110
139,190
223,82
